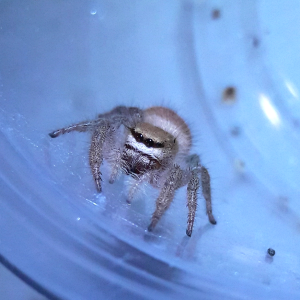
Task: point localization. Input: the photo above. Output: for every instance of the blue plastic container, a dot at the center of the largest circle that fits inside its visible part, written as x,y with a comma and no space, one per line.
230,69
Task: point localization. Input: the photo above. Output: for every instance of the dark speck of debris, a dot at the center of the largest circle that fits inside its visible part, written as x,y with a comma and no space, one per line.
235,131
255,42
271,252
215,14
229,95
296,123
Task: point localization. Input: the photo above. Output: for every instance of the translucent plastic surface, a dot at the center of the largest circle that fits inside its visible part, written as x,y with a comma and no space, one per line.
229,68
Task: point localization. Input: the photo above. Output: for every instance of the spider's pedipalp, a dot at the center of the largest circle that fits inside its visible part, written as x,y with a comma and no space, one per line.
116,165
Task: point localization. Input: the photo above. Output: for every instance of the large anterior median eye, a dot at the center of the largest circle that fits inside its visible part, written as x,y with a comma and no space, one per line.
138,136
149,142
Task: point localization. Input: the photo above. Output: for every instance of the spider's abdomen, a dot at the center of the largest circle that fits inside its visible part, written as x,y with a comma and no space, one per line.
169,121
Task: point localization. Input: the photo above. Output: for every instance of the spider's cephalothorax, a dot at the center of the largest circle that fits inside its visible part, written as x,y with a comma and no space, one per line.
151,145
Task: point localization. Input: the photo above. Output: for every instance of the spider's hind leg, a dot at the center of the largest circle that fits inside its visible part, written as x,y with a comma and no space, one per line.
192,191
206,191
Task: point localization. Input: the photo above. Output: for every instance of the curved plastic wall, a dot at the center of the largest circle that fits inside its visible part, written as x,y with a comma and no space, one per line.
230,69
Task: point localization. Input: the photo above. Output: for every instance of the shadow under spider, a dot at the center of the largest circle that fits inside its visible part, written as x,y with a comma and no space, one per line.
189,245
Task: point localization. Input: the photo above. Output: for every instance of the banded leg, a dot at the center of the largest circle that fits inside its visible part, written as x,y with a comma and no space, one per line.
166,195
206,191
192,196
96,153
81,127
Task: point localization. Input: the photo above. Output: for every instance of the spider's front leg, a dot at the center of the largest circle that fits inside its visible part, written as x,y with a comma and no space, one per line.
96,152
128,117
166,196
106,132
81,127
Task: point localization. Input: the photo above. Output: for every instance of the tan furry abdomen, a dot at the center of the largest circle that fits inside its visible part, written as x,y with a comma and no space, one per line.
169,121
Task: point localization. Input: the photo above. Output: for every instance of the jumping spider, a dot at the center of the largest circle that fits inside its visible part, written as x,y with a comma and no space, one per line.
150,145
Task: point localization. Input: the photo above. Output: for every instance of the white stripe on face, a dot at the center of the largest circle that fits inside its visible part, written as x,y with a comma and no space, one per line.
153,152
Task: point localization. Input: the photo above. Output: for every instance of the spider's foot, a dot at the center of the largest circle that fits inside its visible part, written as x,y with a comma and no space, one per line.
150,228
212,219
152,224
98,185
113,176
189,232
54,134
189,228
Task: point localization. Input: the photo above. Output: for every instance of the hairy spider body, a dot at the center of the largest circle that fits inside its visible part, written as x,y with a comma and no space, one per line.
150,145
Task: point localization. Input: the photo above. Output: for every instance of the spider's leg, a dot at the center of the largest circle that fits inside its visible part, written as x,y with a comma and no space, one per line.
192,189
134,187
96,152
117,154
81,127
206,191
166,196
128,116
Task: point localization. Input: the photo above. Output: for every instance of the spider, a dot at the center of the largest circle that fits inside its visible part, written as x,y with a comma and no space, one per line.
150,145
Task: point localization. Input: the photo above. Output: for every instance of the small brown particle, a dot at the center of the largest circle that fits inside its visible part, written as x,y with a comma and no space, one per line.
255,42
229,95
271,252
239,165
235,131
216,13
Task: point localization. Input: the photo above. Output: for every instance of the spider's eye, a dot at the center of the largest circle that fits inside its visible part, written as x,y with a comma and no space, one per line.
139,137
149,143
158,145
